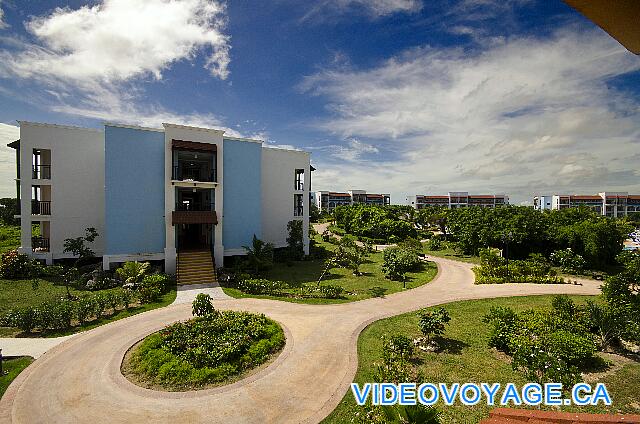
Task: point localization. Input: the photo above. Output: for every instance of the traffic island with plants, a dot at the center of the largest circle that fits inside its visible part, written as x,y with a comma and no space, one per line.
213,348
510,340
338,270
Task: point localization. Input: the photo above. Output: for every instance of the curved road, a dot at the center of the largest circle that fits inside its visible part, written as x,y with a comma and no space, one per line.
79,381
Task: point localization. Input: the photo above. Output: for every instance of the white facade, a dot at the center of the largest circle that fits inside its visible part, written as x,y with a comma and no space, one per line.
612,204
278,191
71,193
75,188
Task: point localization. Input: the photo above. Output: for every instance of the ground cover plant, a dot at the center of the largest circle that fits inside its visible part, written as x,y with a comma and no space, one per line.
346,277
463,354
212,348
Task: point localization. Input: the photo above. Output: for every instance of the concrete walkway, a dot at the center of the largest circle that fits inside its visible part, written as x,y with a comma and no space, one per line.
79,381
188,293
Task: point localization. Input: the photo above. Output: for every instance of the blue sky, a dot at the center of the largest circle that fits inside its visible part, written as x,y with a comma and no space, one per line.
400,96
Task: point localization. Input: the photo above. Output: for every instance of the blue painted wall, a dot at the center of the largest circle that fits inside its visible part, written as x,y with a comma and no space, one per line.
242,189
134,191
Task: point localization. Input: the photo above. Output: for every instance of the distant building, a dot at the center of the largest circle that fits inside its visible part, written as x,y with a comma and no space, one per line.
614,204
542,202
329,200
458,199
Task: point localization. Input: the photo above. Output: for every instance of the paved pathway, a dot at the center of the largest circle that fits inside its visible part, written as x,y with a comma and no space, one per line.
187,294
79,381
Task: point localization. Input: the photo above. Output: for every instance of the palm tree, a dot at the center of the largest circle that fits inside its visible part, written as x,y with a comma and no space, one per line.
259,254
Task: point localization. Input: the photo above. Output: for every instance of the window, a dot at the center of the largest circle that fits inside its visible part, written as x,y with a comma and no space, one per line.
298,205
299,181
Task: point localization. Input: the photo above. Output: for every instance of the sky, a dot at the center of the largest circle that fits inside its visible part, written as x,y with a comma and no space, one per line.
406,97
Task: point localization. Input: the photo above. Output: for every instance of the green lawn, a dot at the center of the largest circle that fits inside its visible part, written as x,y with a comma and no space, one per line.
465,357
358,288
9,237
21,293
12,367
449,253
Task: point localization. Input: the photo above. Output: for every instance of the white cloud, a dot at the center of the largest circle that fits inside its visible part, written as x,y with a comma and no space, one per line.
117,40
3,24
374,8
8,133
519,116
92,61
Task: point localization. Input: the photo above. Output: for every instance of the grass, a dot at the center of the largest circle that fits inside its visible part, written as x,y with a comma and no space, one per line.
12,367
21,293
9,237
357,287
465,357
448,253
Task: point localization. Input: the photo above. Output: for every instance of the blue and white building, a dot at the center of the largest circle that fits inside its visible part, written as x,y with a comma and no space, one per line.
152,192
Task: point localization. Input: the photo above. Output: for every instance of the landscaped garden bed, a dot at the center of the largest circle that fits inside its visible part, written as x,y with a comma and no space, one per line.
214,348
466,352
300,281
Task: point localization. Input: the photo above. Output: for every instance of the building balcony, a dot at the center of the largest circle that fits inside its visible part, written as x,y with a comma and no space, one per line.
181,173
41,207
194,217
40,244
41,172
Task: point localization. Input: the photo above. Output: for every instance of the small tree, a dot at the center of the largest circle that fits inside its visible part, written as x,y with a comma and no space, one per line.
202,305
259,254
354,255
78,246
295,239
432,323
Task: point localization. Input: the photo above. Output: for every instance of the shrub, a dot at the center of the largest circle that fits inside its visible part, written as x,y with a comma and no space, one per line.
85,308
132,272
330,291
14,265
398,261
55,315
202,305
435,243
100,304
545,345
432,323
262,286
26,319
568,261
493,269
152,287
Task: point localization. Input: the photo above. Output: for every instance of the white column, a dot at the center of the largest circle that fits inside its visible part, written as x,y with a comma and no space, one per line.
26,150
218,247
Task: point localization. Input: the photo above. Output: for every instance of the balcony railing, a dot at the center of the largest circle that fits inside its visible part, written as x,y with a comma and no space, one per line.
195,206
41,207
41,172
40,244
298,211
194,174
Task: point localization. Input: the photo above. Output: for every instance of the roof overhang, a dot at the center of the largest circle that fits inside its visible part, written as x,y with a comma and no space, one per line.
14,144
619,18
193,146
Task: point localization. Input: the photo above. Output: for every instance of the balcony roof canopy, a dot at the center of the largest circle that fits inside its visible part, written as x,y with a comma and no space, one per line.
619,18
193,145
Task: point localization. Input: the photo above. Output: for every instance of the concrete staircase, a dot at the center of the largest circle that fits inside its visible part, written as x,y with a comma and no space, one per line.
196,267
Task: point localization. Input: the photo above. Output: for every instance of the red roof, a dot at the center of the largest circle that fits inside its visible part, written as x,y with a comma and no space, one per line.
375,196
434,197
340,194
580,197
